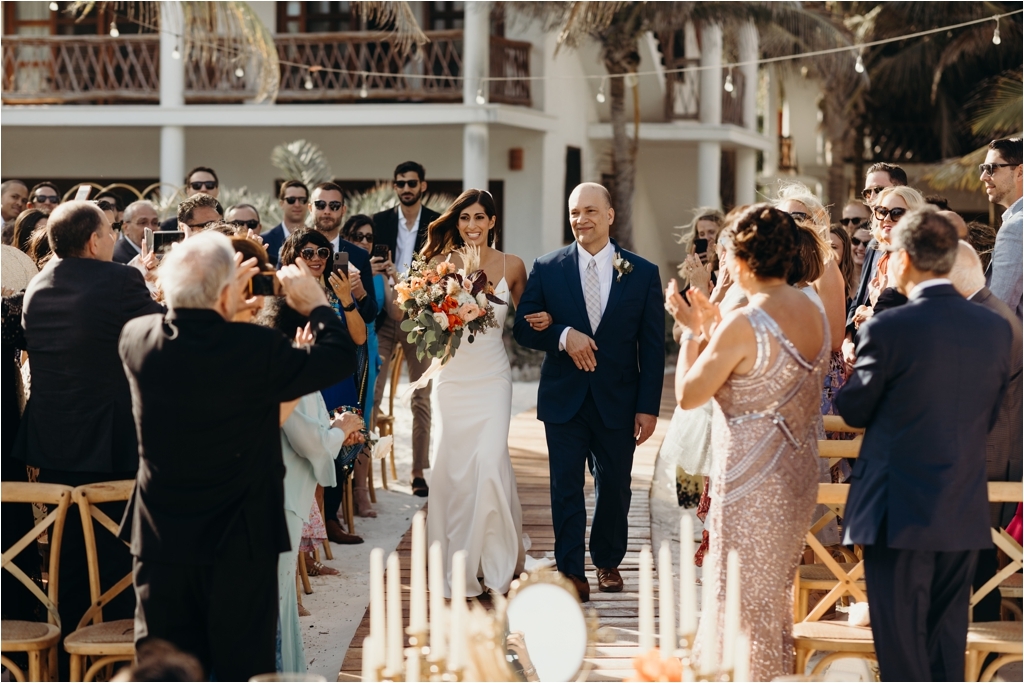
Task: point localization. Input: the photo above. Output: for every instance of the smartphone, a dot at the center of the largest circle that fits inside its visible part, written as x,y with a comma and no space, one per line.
700,246
160,241
380,251
264,284
83,193
341,263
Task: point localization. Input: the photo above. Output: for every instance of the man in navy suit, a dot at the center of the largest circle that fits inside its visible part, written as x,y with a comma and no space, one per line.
293,198
928,385
601,381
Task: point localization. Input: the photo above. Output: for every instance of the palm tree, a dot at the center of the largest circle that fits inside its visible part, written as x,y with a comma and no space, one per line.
786,27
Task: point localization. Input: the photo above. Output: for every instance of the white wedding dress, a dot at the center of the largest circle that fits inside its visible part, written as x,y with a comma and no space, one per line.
474,505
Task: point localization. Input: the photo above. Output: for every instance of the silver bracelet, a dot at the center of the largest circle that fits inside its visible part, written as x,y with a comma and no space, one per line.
529,672
688,336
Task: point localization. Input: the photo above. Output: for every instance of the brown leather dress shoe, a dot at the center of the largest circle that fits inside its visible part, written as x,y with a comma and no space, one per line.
335,534
609,580
581,585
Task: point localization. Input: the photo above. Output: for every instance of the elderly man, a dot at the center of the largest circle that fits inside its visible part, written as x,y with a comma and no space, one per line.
78,426
137,217
13,195
1003,176
928,386
207,520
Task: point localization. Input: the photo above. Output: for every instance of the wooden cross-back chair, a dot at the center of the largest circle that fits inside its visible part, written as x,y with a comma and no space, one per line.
1003,638
386,423
104,642
38,639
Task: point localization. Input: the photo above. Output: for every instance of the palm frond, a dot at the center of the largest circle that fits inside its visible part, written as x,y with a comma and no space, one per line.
1000,112
265,203
302,160
381,197
398,15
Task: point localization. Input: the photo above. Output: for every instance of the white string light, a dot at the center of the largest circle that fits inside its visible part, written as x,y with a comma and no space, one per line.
239,72
363,92
176,52
480,99
54,7
859,66
600,91
309,82
114,33
995,34
728,82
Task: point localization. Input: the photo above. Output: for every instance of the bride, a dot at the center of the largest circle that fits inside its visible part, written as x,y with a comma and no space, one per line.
474,505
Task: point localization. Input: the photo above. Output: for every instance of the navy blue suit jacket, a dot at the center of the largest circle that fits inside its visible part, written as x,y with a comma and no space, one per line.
630,340
272,241
928,383
360,258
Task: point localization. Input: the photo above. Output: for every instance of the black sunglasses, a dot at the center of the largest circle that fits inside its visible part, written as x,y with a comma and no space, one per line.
200,184
300,200
321,205
46,199
800,216
853,221
990,169
203,226
411,184
252,224
362,237
116,225
895,214
309,252
105,205
869,192
858,242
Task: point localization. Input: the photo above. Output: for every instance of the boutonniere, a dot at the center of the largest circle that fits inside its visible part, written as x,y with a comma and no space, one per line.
622,266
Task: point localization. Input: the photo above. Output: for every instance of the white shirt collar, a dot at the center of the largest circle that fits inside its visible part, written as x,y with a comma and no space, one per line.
134,246
1014,208
934,282
603,257
402,222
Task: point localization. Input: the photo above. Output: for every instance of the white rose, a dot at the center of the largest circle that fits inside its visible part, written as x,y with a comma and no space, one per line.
441,320
481,300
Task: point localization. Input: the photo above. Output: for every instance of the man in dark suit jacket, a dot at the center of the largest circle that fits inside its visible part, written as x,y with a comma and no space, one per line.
293,198
78,427
601,381
928,384
404,230
207,516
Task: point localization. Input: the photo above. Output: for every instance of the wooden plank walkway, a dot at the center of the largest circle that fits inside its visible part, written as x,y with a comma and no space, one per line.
528,449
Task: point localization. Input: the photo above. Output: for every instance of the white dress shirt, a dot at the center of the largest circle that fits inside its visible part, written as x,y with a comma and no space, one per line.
406,244
605,273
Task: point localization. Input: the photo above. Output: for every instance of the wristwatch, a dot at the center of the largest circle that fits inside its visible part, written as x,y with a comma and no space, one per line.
351,307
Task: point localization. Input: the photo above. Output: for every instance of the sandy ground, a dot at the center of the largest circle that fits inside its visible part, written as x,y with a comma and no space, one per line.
337,603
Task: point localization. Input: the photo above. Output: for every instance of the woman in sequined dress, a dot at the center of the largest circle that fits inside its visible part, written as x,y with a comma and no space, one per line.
764,365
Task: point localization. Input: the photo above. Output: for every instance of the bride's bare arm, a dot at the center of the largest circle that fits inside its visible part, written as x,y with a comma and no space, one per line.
515,276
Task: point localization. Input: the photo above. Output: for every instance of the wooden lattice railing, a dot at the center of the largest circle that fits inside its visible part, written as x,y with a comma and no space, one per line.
315,67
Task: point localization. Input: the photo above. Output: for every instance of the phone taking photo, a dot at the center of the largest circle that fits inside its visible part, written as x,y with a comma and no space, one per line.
700,246
264,284
341,263
159,242
380,251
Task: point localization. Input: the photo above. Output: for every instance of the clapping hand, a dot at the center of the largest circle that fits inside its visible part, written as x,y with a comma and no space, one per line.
301,290
539,321
697,273
250,235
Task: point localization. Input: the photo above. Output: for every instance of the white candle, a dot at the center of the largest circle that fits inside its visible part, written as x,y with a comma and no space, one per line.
687,579
646,611
412,665
418,583
709,614
457,641
666,602
741,671
438,616
732,610
377,610
395,639
369,670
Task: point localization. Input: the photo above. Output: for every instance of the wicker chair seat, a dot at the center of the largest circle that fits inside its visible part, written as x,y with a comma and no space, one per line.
1011,587
834,635
996,636
24,636
105,634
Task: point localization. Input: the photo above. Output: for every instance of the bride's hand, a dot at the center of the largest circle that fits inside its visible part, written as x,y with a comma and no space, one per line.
689,317
539,321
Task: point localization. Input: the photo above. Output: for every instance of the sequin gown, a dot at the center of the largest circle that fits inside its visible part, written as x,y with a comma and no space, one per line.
765,487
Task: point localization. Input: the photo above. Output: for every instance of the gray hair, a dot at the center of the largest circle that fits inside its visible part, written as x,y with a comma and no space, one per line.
928,238
967,274
197,270
129,211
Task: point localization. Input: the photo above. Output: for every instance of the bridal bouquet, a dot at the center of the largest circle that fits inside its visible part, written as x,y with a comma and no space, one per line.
444,303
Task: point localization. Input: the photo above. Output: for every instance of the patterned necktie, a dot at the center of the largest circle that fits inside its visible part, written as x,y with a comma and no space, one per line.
592,293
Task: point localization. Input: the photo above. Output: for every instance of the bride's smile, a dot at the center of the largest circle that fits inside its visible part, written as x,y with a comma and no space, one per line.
475,225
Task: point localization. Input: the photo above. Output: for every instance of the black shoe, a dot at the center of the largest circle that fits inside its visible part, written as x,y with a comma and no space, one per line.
420,488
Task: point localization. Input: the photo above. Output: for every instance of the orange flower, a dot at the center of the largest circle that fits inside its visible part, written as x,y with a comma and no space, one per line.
651,667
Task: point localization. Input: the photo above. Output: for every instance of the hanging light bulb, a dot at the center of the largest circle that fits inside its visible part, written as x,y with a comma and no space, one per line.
239,72
859,66
54,7
363,92
600,92
309,83
480,99
996,39
728,83
114,33
176,52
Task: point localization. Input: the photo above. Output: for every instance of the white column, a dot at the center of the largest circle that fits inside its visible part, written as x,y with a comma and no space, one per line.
476,57
746,175
709,154
748,50
172,94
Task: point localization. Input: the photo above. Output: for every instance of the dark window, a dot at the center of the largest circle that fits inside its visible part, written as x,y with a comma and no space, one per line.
316,17
36,18
446,15
573,177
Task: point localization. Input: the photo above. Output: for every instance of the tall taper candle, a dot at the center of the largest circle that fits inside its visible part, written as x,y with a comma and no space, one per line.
457,642
418,582
687,578
438,611
666,602
741,670
412,665
369,670
709,617
732,610
377,608
646,611
396,640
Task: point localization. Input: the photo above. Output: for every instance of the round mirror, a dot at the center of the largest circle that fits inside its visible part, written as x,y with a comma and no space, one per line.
547,630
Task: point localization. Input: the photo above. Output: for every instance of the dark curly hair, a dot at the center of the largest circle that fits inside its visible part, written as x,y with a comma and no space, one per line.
292,246
765,238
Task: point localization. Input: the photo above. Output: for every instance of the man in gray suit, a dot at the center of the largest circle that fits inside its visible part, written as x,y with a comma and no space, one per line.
1003,177
1006,440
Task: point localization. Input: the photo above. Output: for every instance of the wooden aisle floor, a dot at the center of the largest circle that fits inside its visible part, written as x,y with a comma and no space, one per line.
527,446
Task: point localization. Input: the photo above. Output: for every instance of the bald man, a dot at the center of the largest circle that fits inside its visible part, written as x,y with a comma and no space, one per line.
957,221
600,385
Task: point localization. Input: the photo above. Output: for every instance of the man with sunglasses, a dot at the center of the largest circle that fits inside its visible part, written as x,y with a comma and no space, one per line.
43,197
200,180
1002,175
294,199
244,217
856,215
403,229
195,213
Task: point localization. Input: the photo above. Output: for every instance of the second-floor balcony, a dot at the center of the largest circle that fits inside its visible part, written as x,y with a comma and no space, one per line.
315,67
